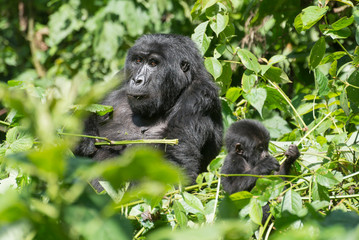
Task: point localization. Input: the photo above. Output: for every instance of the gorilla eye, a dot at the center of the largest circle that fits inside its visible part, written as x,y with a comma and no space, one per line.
138,60
153,62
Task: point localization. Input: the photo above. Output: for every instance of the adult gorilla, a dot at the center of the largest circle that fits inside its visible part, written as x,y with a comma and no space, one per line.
167,93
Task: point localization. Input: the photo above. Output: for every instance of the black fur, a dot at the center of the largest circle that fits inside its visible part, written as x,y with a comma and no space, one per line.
247,145
167,93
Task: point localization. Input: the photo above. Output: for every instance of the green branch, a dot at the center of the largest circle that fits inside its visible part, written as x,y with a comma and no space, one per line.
123,142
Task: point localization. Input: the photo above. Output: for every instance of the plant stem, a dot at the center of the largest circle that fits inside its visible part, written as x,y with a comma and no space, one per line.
288,101
124,142
4,123
316,126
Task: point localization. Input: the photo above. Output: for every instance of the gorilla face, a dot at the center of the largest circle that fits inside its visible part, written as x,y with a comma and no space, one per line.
156,75
143,86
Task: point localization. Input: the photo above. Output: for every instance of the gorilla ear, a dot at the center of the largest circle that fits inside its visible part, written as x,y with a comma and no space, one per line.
184,66
239,149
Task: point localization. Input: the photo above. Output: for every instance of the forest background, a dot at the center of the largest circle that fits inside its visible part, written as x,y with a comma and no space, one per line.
293,65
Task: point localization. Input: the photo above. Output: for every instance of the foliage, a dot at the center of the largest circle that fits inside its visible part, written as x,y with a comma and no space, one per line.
291,64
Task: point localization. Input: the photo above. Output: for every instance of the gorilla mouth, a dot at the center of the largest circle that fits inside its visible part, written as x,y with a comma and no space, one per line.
137,96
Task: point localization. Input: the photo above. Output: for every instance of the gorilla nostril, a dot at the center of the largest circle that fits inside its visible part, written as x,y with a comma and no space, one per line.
138,81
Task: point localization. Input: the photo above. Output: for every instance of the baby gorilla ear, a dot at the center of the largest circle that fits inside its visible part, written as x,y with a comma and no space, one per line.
184,66
239,149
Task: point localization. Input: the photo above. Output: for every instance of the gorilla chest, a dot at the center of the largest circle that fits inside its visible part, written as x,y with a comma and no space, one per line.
124,125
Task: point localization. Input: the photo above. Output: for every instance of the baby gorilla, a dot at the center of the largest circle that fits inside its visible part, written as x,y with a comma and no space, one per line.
247,145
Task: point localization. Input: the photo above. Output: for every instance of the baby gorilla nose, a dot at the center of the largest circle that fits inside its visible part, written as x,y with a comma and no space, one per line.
138,81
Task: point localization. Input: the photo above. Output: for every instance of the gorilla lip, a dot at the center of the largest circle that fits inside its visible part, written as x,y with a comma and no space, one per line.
137,97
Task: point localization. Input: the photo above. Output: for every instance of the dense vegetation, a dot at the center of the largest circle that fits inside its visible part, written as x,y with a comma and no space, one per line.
291,64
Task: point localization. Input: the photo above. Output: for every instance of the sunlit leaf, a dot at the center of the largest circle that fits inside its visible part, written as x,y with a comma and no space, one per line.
327,178
199,36
213,66
249,60
317,53
233,94
321,83
219,23
248,80
342,23
255,212
277,75
193,202
180,214
292,202
344,102
308,17
256,97
353,89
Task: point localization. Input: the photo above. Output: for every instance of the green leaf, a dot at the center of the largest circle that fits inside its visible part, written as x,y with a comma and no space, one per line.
17,140
321,82
344,102
233,94
333,69
327,179
193,202
63,22
219,23
213,66
249,60
337,34
343,22
207,3
200,38
180,214
317,53
347,2
225,80
96,108
276,59
308,17
292,202
256,97
319,193
353,92
277,75
357,34
248,80
332,57
109,40
356,14
255,211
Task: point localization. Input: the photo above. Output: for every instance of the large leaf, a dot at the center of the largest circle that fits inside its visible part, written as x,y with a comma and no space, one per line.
180,214
219,23
213,66
308,17
233,94
256,97
17,140
327,179
292,202
342,23
193,202
321,83
277,75
109,40
249,60
248,80
317,53
255,211
353,89
199,36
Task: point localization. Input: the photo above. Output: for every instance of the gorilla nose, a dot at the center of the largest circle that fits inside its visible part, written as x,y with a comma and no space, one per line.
138,81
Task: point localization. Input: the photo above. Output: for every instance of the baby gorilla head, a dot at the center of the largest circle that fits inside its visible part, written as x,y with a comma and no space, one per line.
247,145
